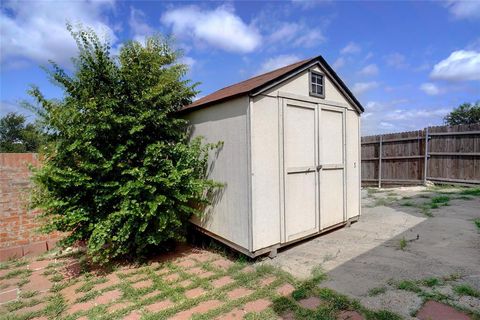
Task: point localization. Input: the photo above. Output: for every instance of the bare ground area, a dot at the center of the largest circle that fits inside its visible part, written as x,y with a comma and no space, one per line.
411,245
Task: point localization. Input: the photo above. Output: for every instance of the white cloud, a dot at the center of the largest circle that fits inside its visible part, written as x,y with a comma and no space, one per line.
399,116
285,33
464,9
36,31
459,66
430,89
396,60
220,27
297,35
278,62
138,26
362,87
310,39
189,61
351,47
340,62
308,4
370,70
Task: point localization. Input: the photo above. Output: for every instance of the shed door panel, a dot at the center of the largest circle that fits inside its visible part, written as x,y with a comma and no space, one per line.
300,147
332,173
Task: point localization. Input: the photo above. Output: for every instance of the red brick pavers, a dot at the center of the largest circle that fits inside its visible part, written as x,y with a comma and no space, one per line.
38,282
232,315
285,290
238,293
223,281
159,306
433,310
134,315
202,307
310,303
8,295
108,297
193,293
350,315
257,305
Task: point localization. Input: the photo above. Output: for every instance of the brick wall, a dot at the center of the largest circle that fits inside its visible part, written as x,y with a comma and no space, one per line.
18,225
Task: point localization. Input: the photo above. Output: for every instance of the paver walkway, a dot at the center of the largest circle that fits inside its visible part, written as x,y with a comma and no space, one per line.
189,284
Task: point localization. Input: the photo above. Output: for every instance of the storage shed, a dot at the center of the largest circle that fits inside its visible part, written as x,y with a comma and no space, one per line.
290,160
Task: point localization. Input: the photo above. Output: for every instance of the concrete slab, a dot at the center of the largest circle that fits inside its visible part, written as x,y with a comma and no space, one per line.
368,254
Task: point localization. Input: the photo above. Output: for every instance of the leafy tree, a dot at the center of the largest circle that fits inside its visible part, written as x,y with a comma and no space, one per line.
121,173
16,136
466,113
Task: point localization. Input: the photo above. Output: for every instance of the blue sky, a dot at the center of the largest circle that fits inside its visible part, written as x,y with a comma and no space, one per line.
409,63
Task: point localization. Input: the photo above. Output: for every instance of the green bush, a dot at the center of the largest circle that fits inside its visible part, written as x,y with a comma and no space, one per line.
120,173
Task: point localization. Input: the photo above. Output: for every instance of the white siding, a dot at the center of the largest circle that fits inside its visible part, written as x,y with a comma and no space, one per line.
299,85
265,172
228,217
353,165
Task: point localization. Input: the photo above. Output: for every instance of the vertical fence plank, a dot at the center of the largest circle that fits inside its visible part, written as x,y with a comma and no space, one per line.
425,160
380,163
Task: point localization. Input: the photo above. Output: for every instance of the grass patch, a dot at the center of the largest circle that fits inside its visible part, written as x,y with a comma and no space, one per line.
431,282
17,274
466,290
471,192
56,306
402,244
439,201
376,291
408,285
426,211
407,204
477,223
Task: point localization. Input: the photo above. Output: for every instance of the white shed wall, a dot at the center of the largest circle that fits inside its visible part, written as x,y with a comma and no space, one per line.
264,119
353,164
227,122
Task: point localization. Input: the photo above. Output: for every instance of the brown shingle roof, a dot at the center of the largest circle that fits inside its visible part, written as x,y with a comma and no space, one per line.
244,86
251,84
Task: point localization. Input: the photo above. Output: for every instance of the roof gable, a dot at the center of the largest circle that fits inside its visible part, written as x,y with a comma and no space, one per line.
267,80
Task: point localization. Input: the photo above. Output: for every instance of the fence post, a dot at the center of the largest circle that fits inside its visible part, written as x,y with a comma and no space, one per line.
380,163
425,165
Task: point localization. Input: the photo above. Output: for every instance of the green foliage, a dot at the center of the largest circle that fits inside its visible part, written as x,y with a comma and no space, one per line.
477,223
466,290
17,136
402,244
466,113
121,172
408,285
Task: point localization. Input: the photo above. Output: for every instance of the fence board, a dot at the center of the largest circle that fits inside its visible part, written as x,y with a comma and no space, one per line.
452,154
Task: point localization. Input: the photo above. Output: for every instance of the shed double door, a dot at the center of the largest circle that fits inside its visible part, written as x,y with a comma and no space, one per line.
313,161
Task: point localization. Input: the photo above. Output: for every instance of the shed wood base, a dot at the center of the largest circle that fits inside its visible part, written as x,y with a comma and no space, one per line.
272,250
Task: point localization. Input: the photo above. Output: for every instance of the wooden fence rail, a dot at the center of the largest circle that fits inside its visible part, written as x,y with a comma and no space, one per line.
443,154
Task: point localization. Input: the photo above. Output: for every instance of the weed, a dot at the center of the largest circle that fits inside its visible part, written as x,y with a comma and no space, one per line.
28,294
464,197
426,211
17,274
466,290
431,282
408,285
477,223
471,192
408,204
382,315
403,244
440,200
56,306
371,191
376,291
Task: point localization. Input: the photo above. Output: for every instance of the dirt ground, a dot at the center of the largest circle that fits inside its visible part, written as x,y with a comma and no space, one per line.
410,244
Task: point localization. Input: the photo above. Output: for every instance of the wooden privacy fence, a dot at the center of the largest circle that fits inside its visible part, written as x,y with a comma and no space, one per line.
439,154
